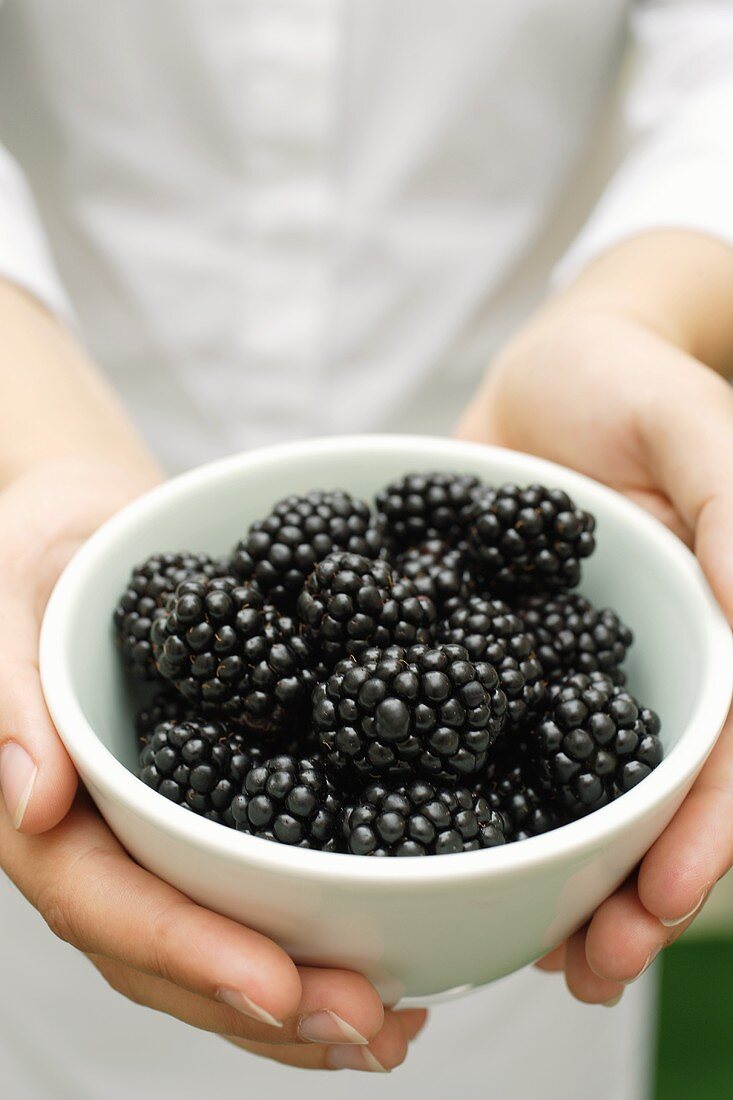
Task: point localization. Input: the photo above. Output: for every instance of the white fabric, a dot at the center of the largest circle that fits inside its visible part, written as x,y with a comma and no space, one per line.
279,218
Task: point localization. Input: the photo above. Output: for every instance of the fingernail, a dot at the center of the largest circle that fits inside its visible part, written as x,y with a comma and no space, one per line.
346,1057
681,920
236,999
649,960
614,1001
326,1027
17,776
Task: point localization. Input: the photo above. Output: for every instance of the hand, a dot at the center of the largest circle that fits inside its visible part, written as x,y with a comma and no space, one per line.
597,389
148,941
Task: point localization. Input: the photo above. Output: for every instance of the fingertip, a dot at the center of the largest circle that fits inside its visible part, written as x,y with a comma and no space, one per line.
37,794
346,994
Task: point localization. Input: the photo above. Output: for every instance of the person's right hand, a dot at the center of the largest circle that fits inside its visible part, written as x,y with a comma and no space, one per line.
150,942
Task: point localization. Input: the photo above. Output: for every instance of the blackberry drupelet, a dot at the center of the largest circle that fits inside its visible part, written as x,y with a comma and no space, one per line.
199,640
150,584
437,570
288,799
528,538
595,742
510,788
490,631
418,819
280,551
396,712
418,507
197,764
351,602
571,635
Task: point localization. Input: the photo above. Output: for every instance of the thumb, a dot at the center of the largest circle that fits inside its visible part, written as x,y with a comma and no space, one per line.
37,779
687,430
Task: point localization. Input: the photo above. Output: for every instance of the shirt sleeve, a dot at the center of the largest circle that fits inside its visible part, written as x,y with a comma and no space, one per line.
25,258
677,170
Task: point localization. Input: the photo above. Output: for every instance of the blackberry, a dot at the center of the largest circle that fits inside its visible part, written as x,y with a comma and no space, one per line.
426,710
528,538
199,639
350,603
571,635
595,742
165,706
147,589
281,675
418,819
510,789
437,570
490,631
280,551
197,764
425,506
287,799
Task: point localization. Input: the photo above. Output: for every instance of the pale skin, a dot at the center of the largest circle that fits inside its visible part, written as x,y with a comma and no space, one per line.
635,329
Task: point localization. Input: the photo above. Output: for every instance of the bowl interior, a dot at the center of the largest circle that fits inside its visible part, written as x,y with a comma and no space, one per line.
638,569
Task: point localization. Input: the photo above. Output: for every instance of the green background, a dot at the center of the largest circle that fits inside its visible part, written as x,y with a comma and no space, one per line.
695,1031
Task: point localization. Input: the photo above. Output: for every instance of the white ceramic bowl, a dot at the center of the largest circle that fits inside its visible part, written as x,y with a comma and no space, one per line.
420,928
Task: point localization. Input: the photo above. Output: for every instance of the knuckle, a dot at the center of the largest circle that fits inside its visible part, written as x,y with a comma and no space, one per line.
57,914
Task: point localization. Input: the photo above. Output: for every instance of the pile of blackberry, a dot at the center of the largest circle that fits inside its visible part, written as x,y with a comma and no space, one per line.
417,678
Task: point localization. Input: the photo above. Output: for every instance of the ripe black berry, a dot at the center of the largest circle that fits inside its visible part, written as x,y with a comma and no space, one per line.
490,631
528,538
350,603
437,570
510,788
418,819
595,742
197,764
429,710
281,550
425,506
150,584
289,800
199,640
571,635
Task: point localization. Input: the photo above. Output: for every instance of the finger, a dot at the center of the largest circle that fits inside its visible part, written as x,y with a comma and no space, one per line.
696,848
583,983
37,778
386,1051
692,456
553,961
93,896
211,1015
412,1021
624,939
663,510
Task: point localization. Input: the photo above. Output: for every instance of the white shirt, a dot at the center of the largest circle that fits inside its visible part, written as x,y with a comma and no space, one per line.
278,218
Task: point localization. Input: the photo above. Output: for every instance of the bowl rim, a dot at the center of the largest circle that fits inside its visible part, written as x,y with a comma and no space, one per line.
104,772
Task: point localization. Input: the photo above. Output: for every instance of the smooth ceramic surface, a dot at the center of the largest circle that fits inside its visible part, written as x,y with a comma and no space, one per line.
421,928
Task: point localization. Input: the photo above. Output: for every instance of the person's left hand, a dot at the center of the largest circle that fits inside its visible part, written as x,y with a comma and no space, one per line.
598,390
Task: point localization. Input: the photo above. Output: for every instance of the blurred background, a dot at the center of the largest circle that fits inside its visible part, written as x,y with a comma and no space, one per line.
693,1053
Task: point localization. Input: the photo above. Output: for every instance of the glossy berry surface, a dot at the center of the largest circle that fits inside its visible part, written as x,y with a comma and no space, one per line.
350,603
149,586
429,710
289,800
281,550
418,819
530,537
595,742
570,635
490,631
425,506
